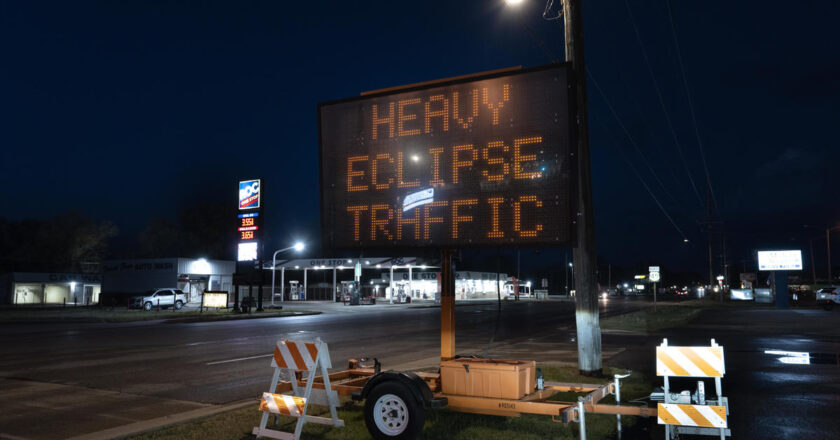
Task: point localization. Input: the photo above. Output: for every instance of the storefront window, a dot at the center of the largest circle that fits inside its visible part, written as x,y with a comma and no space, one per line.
28,294
57,294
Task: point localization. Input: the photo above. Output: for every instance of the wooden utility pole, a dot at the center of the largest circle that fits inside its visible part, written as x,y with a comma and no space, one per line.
586,295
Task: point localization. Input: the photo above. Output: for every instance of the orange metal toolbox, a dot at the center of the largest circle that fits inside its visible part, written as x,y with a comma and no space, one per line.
498,378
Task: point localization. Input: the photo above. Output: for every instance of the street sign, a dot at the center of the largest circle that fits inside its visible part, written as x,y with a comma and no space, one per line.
482,161
653,274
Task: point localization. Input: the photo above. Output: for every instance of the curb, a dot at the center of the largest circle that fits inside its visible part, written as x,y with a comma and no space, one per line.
159,423
191,319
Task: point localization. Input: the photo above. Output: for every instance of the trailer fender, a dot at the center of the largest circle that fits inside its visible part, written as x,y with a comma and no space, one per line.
419,389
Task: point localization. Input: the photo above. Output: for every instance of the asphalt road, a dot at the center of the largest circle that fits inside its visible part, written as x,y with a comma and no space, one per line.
84,378
150,369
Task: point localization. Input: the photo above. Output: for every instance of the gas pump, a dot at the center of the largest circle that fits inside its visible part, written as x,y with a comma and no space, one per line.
294,290
350,292
403,295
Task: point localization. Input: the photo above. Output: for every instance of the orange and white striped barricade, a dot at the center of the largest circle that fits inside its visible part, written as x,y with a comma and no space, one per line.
293,356
684,413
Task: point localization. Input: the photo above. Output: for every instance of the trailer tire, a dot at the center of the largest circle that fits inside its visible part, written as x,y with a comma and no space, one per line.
392,412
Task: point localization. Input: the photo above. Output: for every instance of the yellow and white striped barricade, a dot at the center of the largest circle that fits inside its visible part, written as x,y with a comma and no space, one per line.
683,413
292,356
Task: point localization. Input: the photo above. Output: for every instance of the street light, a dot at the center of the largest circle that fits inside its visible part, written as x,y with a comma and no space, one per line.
298,246
513,2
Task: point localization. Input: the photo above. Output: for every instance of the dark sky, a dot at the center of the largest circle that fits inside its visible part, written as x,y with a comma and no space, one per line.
125,110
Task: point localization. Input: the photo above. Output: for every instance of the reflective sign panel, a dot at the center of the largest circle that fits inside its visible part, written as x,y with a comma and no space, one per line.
479,162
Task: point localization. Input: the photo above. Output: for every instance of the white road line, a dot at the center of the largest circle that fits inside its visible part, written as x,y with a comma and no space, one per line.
239,359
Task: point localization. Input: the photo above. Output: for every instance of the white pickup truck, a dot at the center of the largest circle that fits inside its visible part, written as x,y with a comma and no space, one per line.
163,298
828,296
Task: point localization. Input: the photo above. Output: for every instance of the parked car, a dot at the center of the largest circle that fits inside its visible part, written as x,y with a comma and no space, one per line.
828,296
164,298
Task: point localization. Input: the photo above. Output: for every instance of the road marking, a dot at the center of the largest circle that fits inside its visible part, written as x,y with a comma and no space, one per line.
239,359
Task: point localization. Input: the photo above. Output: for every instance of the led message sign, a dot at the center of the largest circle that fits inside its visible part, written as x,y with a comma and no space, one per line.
248,226
482,161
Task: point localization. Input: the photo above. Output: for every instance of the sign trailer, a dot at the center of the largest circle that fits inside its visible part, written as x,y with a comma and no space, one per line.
481,161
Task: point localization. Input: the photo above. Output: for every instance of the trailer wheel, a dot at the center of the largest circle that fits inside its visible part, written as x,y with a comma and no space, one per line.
392,413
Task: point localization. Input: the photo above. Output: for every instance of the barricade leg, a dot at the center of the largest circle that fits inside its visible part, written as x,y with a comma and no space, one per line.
306,395
274,379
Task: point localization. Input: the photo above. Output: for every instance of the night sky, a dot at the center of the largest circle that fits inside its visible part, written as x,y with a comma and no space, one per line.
128,110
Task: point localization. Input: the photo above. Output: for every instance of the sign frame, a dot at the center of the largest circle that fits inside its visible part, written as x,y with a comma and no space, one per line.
412,248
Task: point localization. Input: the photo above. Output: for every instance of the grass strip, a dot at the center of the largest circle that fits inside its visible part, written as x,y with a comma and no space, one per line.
652,319
441,424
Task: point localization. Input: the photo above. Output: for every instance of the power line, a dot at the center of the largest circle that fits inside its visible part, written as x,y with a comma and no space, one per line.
626,132
639,176
662,102
691,106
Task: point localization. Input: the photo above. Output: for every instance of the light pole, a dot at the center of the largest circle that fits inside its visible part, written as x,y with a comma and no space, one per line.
297,248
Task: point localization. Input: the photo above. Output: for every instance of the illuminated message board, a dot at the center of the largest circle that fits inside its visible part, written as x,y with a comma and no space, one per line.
483,161
780,260
215,299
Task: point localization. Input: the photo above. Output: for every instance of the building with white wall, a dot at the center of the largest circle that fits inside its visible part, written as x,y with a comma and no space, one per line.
33,288
191,275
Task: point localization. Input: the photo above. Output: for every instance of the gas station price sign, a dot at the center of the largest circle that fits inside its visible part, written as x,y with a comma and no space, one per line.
248,226
482,161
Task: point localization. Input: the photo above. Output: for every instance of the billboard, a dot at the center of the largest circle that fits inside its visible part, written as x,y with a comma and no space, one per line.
780,260
482,161
249,194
